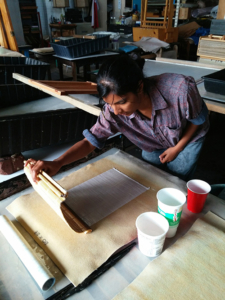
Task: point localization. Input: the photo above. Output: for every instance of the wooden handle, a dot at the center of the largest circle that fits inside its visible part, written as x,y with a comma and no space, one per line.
74,220
52,185
58,186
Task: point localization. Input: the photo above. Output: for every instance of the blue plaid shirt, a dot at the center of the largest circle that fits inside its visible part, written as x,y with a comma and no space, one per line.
175,102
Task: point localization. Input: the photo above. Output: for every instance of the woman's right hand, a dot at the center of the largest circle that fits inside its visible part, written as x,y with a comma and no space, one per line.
50,167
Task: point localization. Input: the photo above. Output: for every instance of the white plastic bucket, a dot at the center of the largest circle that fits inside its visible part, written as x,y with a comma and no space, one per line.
170,205
152,228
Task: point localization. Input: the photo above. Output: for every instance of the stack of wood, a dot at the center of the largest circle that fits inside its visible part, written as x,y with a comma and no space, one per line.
213,45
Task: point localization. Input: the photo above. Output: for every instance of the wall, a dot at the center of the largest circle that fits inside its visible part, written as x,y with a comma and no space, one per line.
14,11
138,2
46,9
102,15
118,12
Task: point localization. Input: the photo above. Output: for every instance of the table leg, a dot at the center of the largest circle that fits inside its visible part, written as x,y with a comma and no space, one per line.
60,66
87,76
74,71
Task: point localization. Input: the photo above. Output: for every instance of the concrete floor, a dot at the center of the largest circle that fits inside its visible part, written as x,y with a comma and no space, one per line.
211,164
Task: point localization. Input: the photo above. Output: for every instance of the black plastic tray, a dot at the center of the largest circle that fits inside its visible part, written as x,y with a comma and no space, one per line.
29,67
36,130
77,47
14,94
217,27
215,82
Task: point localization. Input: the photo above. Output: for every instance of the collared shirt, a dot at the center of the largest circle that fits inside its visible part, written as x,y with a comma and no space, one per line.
175,102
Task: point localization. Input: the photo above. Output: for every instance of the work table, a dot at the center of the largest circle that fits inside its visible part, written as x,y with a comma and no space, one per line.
129,267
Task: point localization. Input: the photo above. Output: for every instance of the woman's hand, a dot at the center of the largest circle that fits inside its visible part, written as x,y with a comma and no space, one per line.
50,167
169,155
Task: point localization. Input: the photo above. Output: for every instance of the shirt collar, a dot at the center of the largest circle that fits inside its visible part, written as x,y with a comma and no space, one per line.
158,102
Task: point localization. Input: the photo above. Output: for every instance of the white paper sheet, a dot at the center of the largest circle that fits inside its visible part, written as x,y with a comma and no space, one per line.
151,44
100,196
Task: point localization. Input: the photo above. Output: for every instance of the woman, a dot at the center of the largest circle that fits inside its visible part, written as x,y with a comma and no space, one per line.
163,115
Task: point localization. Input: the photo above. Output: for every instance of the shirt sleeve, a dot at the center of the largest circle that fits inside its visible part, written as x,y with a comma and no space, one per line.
197,111
105,127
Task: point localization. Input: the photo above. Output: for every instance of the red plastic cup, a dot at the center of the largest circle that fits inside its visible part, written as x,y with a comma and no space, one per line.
197,193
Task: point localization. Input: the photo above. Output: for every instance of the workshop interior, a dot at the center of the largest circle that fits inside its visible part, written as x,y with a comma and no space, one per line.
112,169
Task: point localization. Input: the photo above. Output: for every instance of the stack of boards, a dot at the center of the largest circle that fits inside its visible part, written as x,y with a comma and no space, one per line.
213,45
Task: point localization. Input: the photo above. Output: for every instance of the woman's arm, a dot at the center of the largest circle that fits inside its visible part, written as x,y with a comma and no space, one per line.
77,151
172,152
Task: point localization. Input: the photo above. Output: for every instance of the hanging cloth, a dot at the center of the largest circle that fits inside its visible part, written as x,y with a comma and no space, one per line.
95,8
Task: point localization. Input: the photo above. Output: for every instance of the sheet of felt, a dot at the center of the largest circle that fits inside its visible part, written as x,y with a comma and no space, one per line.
193,268
78,255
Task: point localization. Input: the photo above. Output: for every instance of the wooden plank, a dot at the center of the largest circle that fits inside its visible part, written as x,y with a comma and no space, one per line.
221,10
65,88
211,57
215,106
91,37
189,63
92,109
3,40
8,26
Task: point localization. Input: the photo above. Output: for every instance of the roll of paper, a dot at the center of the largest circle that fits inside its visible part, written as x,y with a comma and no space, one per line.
40,273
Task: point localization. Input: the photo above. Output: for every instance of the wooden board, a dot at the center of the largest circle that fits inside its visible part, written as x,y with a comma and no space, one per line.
3,40
65,88
92,109
167,35
6,28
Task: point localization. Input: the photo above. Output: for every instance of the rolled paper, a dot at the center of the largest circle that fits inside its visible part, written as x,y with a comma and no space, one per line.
40,273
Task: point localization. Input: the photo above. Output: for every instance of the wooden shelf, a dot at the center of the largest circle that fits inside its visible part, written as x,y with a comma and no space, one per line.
29,16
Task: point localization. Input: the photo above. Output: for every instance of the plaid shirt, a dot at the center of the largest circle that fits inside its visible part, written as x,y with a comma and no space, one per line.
175,102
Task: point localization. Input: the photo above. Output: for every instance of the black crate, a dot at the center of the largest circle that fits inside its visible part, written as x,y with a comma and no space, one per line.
36,130
29,67
217,27
215,82
14,94
77,47
73,15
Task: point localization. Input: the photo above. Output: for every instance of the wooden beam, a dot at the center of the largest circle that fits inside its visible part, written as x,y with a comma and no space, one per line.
66,87
92,109
189,63
221,10
12,43
3,40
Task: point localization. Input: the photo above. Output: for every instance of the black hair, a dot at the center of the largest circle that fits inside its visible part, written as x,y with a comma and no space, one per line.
120,75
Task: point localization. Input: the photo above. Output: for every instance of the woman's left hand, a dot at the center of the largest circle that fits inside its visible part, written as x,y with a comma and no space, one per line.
169,155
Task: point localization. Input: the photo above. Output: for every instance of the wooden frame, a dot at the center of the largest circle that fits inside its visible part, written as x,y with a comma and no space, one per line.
162,30
92,109
66,87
